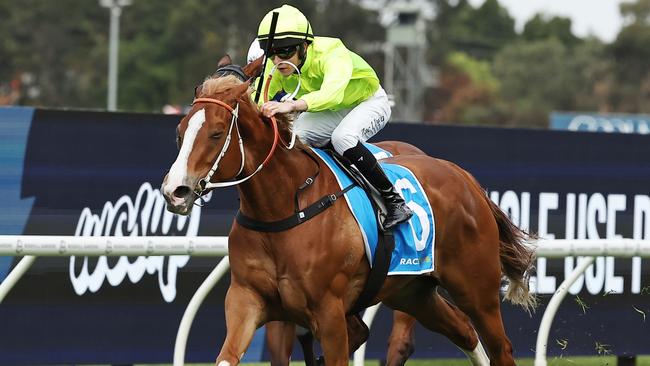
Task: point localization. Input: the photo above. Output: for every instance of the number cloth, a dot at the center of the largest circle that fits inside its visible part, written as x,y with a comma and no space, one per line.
414,239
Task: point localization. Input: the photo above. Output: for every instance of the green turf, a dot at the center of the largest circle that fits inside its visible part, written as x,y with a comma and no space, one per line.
553,361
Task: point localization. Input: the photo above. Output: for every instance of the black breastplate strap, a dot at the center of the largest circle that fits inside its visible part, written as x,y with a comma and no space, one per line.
294,220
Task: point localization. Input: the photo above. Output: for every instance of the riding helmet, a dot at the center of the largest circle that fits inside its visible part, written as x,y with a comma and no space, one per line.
292,28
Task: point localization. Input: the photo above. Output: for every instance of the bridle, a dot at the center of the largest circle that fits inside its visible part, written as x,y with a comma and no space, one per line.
205,183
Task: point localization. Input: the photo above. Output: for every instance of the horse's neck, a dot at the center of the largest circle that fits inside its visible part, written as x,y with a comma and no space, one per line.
269,195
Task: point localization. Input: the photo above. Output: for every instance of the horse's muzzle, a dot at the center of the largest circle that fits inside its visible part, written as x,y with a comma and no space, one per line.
179,198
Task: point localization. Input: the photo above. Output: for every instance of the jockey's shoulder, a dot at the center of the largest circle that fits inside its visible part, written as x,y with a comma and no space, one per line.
327,43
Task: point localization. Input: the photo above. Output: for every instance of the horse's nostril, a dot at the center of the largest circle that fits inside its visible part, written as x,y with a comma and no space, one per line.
182,191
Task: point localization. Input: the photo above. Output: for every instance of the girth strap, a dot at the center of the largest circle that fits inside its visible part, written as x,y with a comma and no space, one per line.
294,220
378,271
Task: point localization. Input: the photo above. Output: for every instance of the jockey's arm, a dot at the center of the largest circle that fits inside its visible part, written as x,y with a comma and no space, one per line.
299,105
271,108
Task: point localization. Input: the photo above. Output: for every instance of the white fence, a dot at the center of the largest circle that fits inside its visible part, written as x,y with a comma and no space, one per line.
32,246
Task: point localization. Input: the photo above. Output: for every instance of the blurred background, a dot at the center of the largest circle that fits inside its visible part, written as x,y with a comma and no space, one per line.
480,62
541,66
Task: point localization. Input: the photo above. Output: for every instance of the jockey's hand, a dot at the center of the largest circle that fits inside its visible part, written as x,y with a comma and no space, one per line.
271,108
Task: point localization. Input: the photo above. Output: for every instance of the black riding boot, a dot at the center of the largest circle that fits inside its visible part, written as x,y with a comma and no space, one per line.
396,209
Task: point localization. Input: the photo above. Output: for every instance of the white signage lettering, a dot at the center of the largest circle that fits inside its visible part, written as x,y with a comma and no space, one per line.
126,217
587,216
608,124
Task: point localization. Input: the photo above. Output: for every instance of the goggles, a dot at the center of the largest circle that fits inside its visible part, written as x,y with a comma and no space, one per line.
284,53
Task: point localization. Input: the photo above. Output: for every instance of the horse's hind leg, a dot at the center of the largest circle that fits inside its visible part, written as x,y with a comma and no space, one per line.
423,302
401,343
306,340
474,286
358,332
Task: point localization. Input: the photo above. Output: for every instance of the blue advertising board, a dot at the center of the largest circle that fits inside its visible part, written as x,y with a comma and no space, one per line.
599,122
90,173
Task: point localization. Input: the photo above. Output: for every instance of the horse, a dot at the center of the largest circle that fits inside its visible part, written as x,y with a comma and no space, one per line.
312,274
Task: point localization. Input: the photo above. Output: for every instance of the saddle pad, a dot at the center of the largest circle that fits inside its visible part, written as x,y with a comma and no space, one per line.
414,240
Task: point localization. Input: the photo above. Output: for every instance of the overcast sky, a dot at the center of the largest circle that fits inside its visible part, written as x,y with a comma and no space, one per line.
589,17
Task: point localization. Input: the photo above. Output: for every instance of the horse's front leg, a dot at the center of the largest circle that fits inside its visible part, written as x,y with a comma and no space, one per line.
244,313
331,331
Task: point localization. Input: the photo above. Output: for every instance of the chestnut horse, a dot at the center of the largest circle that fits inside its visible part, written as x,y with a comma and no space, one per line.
313,273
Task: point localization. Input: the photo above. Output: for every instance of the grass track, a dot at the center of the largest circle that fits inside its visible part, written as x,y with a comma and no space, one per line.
569,361
554,361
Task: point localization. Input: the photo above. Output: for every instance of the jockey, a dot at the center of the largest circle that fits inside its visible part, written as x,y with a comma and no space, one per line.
340,95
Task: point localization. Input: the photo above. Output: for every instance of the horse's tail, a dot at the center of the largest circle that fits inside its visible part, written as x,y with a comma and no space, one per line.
516,258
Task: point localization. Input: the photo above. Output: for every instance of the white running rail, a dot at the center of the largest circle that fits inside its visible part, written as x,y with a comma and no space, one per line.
625,248
65,246
32,246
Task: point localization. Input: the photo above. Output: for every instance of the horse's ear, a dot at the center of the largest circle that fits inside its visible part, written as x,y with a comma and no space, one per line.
198,90
225,60
253,69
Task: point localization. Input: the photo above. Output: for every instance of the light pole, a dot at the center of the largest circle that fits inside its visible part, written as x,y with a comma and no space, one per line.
115,6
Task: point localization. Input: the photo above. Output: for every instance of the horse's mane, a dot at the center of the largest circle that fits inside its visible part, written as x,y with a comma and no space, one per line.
217,85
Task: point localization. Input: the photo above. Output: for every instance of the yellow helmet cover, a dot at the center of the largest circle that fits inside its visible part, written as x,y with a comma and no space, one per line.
292,28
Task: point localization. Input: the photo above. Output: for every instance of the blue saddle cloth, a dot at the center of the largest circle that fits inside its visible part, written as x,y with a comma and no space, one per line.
415,239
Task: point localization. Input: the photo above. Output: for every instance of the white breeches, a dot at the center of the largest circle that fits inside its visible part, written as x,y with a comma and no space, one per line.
345,127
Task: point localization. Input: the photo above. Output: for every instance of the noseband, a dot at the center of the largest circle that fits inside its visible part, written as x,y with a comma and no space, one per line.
205,183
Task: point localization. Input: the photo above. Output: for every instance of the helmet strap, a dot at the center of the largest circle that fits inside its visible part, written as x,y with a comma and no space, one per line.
302,54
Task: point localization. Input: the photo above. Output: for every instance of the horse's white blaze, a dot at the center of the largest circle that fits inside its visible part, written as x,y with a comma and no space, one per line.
178,171
478,355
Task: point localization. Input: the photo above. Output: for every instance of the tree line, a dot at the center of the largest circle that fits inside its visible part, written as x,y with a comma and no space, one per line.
54,53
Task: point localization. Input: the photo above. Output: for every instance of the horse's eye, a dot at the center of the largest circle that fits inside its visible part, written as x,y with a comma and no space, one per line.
216,135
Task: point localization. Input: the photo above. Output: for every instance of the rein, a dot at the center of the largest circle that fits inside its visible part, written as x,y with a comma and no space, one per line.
205,183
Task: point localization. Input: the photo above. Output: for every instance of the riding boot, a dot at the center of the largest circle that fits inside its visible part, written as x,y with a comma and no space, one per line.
396,209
